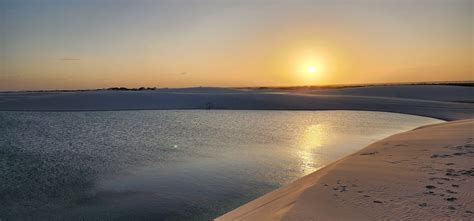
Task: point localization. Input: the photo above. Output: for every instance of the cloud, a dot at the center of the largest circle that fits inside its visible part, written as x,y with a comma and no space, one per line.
69,59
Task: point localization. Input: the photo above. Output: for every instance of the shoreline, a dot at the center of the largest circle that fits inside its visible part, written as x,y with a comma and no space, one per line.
195,109
423,173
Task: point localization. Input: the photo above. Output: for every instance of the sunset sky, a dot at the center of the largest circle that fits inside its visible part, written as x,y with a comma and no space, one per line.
79,44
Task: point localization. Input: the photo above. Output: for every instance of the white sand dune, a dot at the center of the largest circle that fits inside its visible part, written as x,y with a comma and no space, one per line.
422,92
223,98
424,174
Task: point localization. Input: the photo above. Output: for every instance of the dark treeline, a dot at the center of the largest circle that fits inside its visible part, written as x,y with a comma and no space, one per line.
131,89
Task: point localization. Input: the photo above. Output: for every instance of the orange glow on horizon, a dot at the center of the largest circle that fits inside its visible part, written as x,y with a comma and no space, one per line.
169,44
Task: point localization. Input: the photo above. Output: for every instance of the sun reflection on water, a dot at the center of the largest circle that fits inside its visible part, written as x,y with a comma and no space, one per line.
313,138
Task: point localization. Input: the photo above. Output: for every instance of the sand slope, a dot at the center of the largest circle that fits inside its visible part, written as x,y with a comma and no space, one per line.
424,174
422,92
222,98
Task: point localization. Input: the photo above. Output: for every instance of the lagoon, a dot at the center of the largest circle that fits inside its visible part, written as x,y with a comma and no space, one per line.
169,164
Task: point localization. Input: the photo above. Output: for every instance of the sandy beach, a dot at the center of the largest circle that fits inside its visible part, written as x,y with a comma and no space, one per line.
423,174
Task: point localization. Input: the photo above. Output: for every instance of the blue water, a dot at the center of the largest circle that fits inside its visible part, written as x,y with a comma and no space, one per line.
169,165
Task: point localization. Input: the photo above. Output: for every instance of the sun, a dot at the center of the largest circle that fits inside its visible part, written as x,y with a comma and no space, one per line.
311,69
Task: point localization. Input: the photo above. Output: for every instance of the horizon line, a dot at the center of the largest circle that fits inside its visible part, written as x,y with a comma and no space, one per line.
322,86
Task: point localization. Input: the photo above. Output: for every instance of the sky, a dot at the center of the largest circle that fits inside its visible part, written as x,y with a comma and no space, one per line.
86,44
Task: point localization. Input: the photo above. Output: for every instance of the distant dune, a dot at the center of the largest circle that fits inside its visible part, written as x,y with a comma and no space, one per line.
423,92
430,101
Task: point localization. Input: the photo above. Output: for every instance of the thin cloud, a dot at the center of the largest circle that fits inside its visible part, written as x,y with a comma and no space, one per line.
69,59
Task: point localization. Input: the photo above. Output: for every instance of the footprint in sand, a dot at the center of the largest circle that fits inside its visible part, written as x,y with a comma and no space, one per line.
430,193
440,156
369,153
451,199
440,178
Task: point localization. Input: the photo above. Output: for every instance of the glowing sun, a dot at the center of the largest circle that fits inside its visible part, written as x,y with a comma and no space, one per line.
311,69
